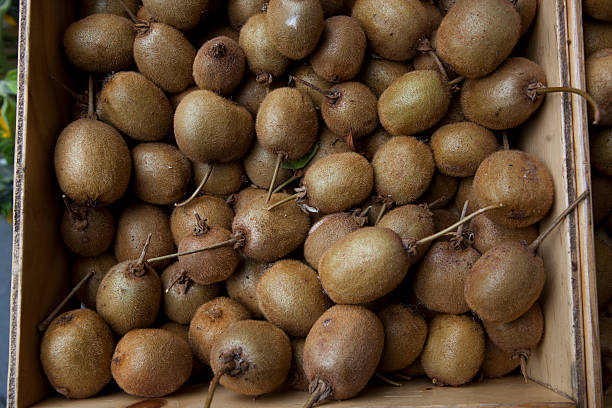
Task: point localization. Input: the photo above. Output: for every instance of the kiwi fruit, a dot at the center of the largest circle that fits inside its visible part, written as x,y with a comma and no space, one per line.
214,210
89,7
259,165
225,178
488,234
182,14
598,78
459,148
261,55
434,15
471,39
210,128
98,266
350,109
329,143
378,73
307,74
404,21
527,10
252,92
603,266
178,97
241,286
405,334
519,181
92,162
100,43
505,98
602,189
465,192
441,191
523,333
345,339
145,15
164,56
297,377
239,11
599,9
497,363
219,65
430,61
87,231
454,350
601,151
373,142
245,197
294,26
136,106
182,296
332,7
210,320
363,265
161,173
325,232
182,331
444,218
410,222
597,36
427,105
455,112
214,32
403,169
151,363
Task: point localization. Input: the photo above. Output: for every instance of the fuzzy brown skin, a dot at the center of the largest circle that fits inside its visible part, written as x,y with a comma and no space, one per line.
151,363
527,10
182,297
602,189
374,142
135,223
87,231
88,7
471,39
332,7
294,26
226,178
219,65
518,180
403,169
129,297
214,210
523,333
343,349
329,143
603,265
209,128
306,73
182,331
251,93
501,100
354,112
454,350
92,162
439,278
210,266
597,36
598,79
410,222
504,283
261,54
161,173
271,234
210,320
100,43
599,9
242,285
182,14
497,363
239,11
426,61
601,151
414,103
325,232
378,74
488,234
441,191
444,218
455,113
165,56
434,15
291,297
465,192
297,376
259,166
459,148
99,265
287,123
363,266
245,196
406,22
405,334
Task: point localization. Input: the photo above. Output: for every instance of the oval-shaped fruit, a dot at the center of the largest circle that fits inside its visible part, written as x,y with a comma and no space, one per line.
353,112
239,11
182,14
498,363
601,151
241,286
325,232
259,165
225,178
597,36
599,9
410,222
219,65
306,73
261,55
329,143
598,80
214,210
87,231
297,376
523,333
379,74
441,191
405,334
99,266
488,234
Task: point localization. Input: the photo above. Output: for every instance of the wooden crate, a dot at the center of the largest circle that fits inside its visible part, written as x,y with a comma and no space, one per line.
564,370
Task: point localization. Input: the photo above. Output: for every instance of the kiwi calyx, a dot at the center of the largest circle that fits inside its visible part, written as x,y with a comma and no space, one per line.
201,225
523,355
234,365
320,390
218,50
181,280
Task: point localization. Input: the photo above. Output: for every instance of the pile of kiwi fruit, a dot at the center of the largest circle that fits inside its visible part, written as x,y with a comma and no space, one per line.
305,192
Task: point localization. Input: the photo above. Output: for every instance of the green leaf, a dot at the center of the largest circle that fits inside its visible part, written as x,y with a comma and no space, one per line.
301,162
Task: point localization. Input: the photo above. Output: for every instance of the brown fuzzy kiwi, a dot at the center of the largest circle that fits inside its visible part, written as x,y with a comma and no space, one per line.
488,234
410,222
427,105
136,106
434,15
259,165
405,21
403,169
100,43
460,38
340,52
527,10
507,97
210,320
430,61
325,232
523,333
332,7
597,36
182,331
294,26
66,353
455,112
145,15
518,180
307,74
297,377
351,109
182,14
137,221
182,296
261,55
598,78
441,191
603,266
245,196
219,65
497,363
374,142
92,162
444,218
161,173
165,56
341,334
98,266
601,151
599,9
87,231
363,266
252,92
439,278
239,11
446,5
602,189
178,97
209,128
378,73
405,334
88,7
329,143
454,350
225,178
151,363
459,148
241,286
465,192
291,297
214,210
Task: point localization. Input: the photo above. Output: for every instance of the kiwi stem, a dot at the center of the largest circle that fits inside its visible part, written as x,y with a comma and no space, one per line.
332,97
443,72
436,201
403,377
505,140
463,213
42,326
209,171
285,200
381,212
456,80
388,381
589,98
129,12
536,243
193,251
174,282
279,159
291,179
365,211
213,385
145,248
524,368
90,99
